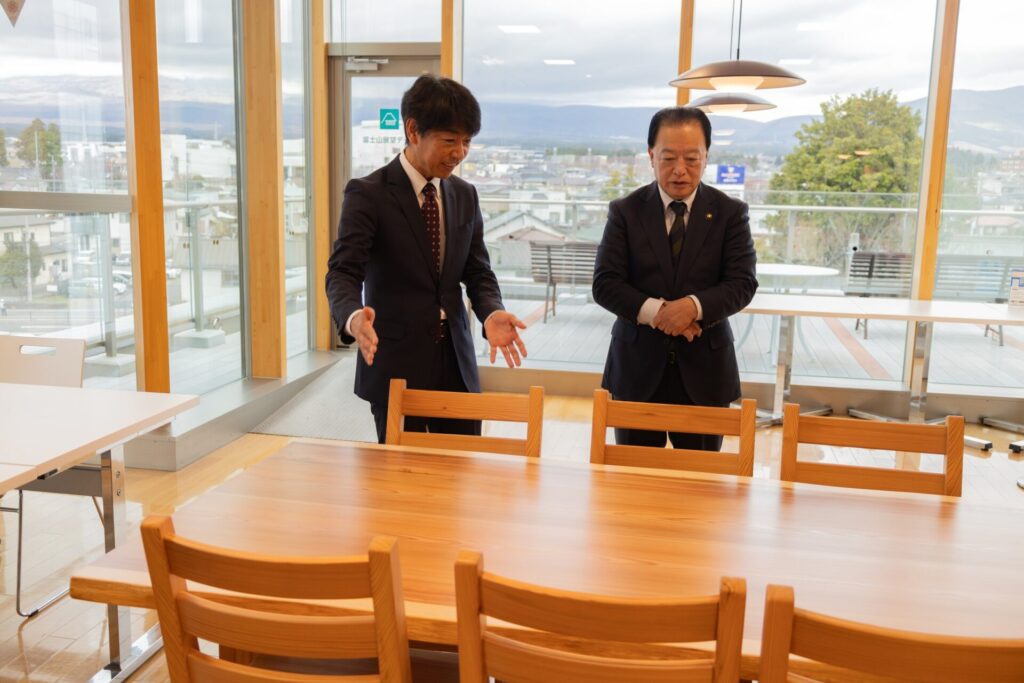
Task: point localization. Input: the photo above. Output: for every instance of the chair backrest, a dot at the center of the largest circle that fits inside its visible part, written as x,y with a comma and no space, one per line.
466,406
41,360
266,626
563,262
739,422
615,630
945,439
877,651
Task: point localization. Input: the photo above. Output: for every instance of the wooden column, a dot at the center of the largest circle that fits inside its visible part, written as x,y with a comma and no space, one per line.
264,186
145,185
448,38
936,141
320,211
685,47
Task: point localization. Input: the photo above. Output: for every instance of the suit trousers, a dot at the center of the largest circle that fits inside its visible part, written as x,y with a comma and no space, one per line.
670,390
444,376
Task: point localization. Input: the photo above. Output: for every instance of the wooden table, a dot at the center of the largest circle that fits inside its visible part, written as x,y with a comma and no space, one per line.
923,315
45,432
899,560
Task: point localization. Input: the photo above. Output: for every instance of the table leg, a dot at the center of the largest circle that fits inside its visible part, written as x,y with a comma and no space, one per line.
125,656
1016,446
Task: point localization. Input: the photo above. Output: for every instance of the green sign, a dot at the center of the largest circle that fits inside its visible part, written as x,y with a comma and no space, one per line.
389,119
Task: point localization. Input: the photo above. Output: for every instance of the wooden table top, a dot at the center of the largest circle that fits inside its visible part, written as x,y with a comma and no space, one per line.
884,308
44,428
899,560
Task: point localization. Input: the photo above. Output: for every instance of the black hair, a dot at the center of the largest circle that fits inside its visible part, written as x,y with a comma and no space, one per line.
438,103
674,116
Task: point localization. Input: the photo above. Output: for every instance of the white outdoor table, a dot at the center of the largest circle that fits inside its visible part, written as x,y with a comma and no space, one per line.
45,432
924,314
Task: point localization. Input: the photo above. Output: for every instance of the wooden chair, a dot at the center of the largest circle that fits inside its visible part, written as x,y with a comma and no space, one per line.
185,616
466,406
872,650
609,625
739,422
51,361
945,439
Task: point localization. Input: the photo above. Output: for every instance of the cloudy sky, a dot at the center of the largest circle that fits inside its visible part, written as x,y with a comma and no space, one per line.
621,53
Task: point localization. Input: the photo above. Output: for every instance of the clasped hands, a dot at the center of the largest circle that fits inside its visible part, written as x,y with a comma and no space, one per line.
502,329
678,318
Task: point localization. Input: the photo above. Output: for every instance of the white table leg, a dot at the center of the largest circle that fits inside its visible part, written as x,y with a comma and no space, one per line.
125,656
784,374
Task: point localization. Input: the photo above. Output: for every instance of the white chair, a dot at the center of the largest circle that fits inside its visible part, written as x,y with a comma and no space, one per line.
38,360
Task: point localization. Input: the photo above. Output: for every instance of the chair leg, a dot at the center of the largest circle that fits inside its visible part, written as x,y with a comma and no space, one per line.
17,598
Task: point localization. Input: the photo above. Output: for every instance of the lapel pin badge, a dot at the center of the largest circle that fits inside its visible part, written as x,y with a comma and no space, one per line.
708,216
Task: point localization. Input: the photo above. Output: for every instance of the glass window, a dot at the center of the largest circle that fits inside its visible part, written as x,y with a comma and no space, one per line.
565,116
373,21
200,172
62,98
296,214
831,173
62,130
981,235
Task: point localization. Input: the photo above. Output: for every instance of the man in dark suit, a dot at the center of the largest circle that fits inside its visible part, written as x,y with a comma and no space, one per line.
410,235
675,262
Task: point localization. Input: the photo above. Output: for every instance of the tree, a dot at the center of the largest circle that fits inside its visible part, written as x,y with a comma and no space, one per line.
865,151
4,161
39,145
12,262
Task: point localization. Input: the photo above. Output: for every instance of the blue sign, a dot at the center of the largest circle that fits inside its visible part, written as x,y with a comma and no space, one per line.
389,119
730,175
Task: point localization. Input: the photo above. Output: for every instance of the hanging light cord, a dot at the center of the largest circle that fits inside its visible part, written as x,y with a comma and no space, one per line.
732,28
739,31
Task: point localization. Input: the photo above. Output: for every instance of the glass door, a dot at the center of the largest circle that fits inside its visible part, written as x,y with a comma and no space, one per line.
367,82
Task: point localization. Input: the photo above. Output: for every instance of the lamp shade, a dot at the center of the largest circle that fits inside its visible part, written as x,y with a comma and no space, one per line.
727,102
737,74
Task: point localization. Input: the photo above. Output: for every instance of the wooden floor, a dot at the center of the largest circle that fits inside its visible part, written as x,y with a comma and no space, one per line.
67,642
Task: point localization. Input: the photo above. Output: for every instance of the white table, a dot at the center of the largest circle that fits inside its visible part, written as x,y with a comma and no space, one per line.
783,278
924,314
46,431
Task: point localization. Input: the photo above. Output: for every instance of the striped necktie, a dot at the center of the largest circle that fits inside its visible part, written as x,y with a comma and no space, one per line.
678,231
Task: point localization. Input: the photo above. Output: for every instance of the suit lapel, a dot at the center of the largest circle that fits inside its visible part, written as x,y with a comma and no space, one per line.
702,216
451,212
401,189
652,218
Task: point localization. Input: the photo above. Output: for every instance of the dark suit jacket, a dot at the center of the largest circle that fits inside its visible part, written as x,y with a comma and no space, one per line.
382,256
634,262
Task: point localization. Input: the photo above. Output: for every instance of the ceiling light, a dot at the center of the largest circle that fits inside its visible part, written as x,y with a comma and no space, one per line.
518,28
736,74
844,157
560,62
792,61
726,102
863,152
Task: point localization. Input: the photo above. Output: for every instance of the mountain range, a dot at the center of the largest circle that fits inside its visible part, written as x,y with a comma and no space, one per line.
981,121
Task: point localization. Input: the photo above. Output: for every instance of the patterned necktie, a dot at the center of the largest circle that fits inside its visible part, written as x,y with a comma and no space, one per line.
678,231
432,217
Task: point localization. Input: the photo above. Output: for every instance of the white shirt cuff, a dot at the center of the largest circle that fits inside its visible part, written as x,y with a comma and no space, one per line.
648,310
700,311
348,323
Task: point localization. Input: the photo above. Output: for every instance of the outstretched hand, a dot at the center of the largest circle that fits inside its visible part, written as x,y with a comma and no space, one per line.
366,336
502,329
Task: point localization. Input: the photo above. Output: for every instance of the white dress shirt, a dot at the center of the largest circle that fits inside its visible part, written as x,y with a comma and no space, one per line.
651,306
